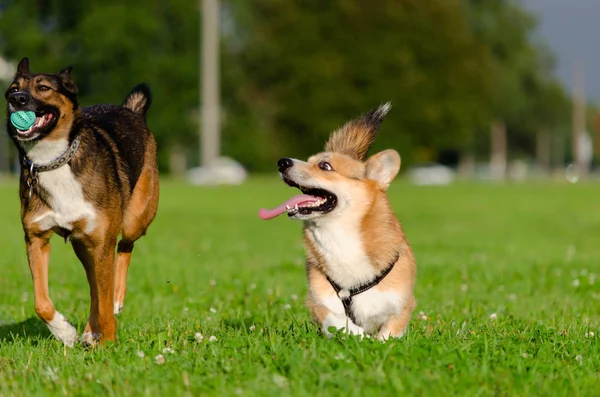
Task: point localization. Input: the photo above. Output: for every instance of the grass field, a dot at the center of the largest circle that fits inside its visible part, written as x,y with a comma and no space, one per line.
508,282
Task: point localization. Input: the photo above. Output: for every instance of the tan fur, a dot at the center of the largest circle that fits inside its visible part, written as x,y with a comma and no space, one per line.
360,238
136,102
105,185
141,212
356,136
353,139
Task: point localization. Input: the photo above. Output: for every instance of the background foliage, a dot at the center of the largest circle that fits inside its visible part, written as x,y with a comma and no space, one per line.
294,70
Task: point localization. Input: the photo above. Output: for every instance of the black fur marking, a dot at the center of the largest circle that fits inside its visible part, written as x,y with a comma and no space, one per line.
117,123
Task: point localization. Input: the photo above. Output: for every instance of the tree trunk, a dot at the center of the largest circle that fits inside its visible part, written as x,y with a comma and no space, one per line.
466,165
579,122
498,150
177,161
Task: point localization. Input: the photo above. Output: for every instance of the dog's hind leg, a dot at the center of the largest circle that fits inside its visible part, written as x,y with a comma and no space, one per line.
138,216
38,255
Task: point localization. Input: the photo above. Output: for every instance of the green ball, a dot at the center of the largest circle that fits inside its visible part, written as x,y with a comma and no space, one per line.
23,120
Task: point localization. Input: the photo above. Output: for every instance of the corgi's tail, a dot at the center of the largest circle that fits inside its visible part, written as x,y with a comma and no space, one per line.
356,136
139,100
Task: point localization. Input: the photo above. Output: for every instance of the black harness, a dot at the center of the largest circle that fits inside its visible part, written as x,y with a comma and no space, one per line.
346,295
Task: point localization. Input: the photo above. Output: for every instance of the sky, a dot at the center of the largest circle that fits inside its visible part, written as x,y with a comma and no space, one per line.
572,29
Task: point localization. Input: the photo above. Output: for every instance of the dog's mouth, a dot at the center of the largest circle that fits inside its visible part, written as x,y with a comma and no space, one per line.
44,122
312,201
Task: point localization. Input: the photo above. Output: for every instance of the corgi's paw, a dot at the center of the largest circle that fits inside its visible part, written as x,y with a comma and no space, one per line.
385,334
336,323
354,329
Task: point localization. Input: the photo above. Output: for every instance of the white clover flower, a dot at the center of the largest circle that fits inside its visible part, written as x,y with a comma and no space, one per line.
199,337
287,306
51,373
576,283
160,359
140,354
212,310
168,350
493,316
212,338
252,327
294,297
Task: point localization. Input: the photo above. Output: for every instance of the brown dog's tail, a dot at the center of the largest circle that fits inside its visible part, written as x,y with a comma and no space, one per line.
139,99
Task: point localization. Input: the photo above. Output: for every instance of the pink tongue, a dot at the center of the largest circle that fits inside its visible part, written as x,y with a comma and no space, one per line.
296,200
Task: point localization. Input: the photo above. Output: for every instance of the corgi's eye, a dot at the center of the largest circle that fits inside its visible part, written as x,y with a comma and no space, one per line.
42,87
325,166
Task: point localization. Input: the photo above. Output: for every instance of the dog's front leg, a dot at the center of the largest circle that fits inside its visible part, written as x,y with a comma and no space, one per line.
326,307
97,258
38,256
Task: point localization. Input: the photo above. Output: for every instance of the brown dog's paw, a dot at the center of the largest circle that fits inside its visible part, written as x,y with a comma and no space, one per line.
89,339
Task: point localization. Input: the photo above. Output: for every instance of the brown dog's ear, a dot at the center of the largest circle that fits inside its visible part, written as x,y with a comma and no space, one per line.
356,136
66,72
23,67
383,167
66,81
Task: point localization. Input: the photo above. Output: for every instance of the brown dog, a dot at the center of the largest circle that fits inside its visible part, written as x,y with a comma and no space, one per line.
87,174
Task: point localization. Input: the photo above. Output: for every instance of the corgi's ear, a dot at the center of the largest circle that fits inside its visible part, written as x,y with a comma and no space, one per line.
356,136
383,167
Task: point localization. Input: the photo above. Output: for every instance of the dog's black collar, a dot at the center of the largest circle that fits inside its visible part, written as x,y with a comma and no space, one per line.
346,295
61,160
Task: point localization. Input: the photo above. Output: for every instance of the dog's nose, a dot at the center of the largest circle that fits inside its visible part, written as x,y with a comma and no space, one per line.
19,99
284,164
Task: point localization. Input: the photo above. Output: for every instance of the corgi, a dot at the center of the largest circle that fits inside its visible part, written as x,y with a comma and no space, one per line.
360,267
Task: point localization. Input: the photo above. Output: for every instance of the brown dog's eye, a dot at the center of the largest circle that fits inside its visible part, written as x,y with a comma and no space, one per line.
43,87
325,166
13,90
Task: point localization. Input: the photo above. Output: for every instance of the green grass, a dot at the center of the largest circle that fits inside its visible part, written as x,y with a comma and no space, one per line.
209,265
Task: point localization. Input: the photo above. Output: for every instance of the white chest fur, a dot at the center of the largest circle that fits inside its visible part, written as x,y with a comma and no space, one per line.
348,264
373,308
344,254
66,200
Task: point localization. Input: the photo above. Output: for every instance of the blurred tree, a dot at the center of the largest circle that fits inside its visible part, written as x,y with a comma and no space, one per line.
113,46
310,65
524,96
292,71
